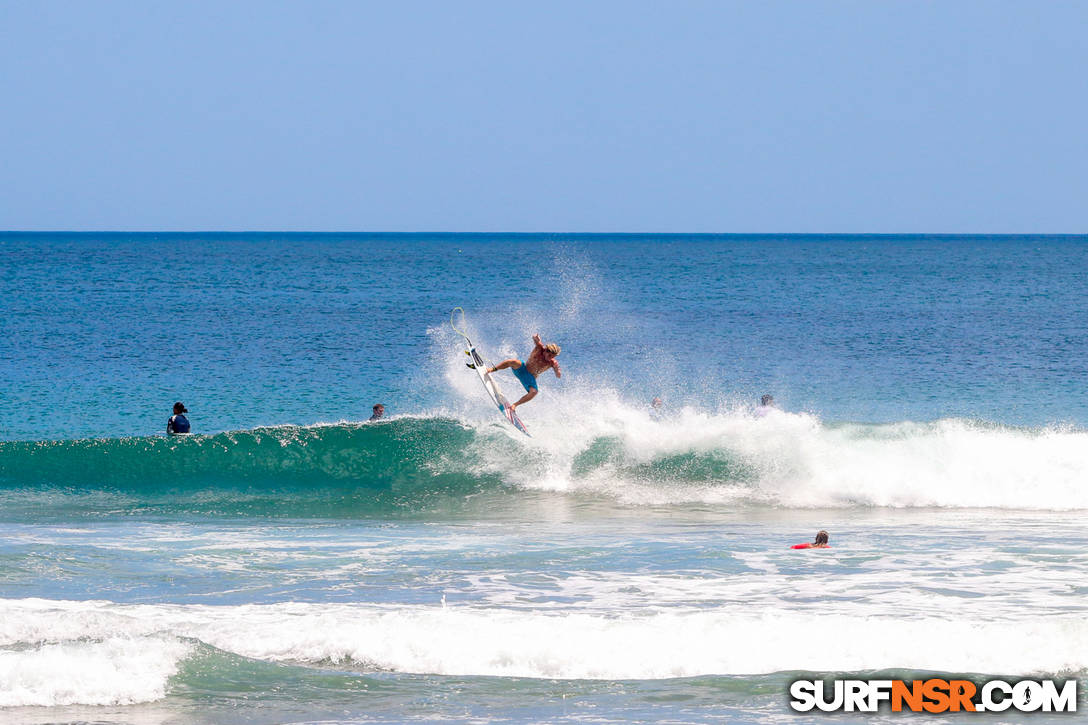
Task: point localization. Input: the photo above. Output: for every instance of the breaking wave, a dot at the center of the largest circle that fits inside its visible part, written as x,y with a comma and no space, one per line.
617,453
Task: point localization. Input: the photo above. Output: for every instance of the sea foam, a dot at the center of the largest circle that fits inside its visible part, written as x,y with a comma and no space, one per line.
116,670
503,642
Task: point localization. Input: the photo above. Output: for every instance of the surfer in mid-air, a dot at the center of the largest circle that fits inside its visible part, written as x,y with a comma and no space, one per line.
540,359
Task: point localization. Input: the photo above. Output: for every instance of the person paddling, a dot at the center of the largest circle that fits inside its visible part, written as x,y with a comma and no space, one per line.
819,543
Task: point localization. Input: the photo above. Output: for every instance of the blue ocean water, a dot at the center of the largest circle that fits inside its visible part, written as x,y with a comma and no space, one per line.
291,562
104,332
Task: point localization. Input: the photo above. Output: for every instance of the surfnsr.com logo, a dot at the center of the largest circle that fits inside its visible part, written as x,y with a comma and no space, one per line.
934,695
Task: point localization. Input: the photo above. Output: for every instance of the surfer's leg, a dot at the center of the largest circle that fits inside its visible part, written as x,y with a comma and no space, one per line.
511,363
525,398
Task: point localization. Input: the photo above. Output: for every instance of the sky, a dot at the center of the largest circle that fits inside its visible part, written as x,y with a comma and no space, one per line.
957,116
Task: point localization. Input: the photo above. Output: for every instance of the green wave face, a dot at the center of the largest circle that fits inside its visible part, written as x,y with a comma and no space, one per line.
321,470
402,465
425,465
708,467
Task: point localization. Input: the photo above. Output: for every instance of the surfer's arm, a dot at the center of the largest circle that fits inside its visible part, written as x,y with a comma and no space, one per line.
537,342
555,366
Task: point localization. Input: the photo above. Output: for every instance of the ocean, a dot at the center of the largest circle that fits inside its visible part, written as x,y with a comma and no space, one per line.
292,562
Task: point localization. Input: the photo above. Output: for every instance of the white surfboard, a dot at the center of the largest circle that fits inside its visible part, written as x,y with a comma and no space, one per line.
490,385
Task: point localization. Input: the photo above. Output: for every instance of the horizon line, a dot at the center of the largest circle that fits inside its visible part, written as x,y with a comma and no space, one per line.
539,233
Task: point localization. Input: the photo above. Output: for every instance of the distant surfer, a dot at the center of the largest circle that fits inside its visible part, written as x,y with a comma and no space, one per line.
820,543
766,405
378,411
540,359
178,423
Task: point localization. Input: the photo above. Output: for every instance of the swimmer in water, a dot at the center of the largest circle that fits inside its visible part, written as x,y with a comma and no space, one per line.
540,359
820,543
178,423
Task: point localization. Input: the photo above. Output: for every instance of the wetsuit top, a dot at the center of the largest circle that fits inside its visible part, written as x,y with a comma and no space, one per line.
177,424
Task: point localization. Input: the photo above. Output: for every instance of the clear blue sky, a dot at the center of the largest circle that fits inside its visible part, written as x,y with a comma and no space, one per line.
595,116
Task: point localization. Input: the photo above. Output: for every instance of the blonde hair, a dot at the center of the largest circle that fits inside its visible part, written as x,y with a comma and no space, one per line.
552,348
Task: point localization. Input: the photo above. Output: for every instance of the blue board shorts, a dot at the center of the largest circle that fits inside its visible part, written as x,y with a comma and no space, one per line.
525,377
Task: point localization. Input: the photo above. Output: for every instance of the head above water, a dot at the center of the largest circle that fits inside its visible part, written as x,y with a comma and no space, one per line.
179,407
552,348
378,408
821,537
766,400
